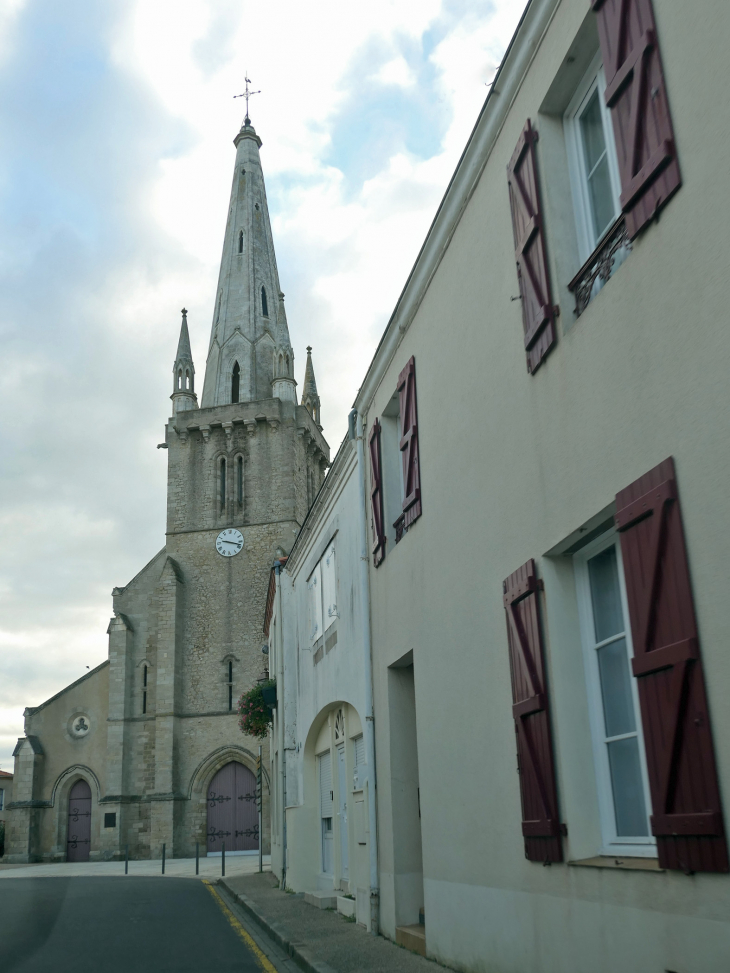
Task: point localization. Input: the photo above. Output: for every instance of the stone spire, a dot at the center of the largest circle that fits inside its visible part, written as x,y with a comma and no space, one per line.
249,323
183,372
310,399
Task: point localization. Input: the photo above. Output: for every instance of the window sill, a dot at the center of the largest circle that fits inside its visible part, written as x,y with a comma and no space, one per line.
620,864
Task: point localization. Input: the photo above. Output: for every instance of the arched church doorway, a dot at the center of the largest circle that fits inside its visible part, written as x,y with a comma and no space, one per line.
78,843
233,815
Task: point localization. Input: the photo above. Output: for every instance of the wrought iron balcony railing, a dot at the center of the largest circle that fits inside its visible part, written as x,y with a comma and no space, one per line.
600,266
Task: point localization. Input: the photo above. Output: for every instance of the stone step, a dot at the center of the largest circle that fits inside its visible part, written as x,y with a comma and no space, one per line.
412,937
321,899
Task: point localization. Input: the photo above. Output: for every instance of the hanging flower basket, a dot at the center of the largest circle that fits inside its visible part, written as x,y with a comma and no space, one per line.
269,693
254,714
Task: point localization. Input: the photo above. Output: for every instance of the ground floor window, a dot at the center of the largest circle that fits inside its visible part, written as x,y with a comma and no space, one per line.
618,745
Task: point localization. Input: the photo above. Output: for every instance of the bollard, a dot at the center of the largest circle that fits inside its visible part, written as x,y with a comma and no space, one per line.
197,858
163,858
126,859
223,860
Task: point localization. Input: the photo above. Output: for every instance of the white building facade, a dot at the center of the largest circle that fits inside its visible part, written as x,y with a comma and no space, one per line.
323,807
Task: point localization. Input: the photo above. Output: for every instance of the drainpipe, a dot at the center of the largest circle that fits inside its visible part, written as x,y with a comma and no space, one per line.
281,717
356,433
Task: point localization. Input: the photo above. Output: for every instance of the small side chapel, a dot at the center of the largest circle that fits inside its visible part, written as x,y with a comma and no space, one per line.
146,749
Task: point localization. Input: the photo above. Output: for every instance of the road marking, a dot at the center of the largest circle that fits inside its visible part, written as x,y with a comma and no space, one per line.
239,930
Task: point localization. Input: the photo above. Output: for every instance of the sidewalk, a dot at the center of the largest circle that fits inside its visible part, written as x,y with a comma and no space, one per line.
319,941
176,867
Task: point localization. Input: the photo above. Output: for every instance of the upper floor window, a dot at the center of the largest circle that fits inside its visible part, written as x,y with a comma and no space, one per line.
240,241
264,303
235,382
239,480
144,689
222,487
322,586
395,465
2,798
229,685
620,762
594,174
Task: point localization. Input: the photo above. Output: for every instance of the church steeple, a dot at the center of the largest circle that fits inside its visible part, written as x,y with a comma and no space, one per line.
183,372
249,330
310,399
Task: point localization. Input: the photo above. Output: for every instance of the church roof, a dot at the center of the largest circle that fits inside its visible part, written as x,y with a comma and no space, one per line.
249,321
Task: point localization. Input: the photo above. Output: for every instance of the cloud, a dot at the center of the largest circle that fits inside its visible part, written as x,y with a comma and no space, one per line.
397,72
116,123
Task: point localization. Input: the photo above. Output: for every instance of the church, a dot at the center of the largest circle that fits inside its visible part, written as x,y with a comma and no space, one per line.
146,750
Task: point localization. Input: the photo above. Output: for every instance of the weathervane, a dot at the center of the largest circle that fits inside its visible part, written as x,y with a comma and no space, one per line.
247,94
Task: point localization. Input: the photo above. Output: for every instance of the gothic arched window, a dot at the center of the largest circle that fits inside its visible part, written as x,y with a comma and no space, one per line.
240,241
187,379
179,379
264,303
235,383
223,484
239,480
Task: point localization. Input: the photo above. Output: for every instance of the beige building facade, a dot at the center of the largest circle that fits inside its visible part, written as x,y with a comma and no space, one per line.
146,749
547,518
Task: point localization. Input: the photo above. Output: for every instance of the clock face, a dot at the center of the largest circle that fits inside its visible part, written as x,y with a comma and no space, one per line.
229,542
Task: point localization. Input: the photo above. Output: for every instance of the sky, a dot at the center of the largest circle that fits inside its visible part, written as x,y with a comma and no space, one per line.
116,156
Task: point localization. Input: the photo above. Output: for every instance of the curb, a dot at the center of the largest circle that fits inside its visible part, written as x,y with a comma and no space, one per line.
297,951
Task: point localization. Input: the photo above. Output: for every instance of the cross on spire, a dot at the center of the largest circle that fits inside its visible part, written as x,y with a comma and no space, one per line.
247,94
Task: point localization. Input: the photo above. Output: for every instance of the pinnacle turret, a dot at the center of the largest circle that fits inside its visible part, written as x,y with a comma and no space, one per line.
183,372
249,343
310,399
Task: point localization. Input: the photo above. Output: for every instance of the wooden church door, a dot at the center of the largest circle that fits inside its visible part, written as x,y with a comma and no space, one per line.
233,815
79,823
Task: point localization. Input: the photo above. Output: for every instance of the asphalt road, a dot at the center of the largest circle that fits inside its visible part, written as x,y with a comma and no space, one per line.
117,925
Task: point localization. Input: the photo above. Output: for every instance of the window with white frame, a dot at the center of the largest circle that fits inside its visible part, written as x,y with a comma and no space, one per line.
620,762
594,173
322,587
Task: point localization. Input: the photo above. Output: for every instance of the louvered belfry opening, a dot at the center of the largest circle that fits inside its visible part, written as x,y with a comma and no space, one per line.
687,817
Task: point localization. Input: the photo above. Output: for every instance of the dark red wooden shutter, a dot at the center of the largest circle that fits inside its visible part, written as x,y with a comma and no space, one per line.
637,96
538,313
687,818
540,820
376,495
409,443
